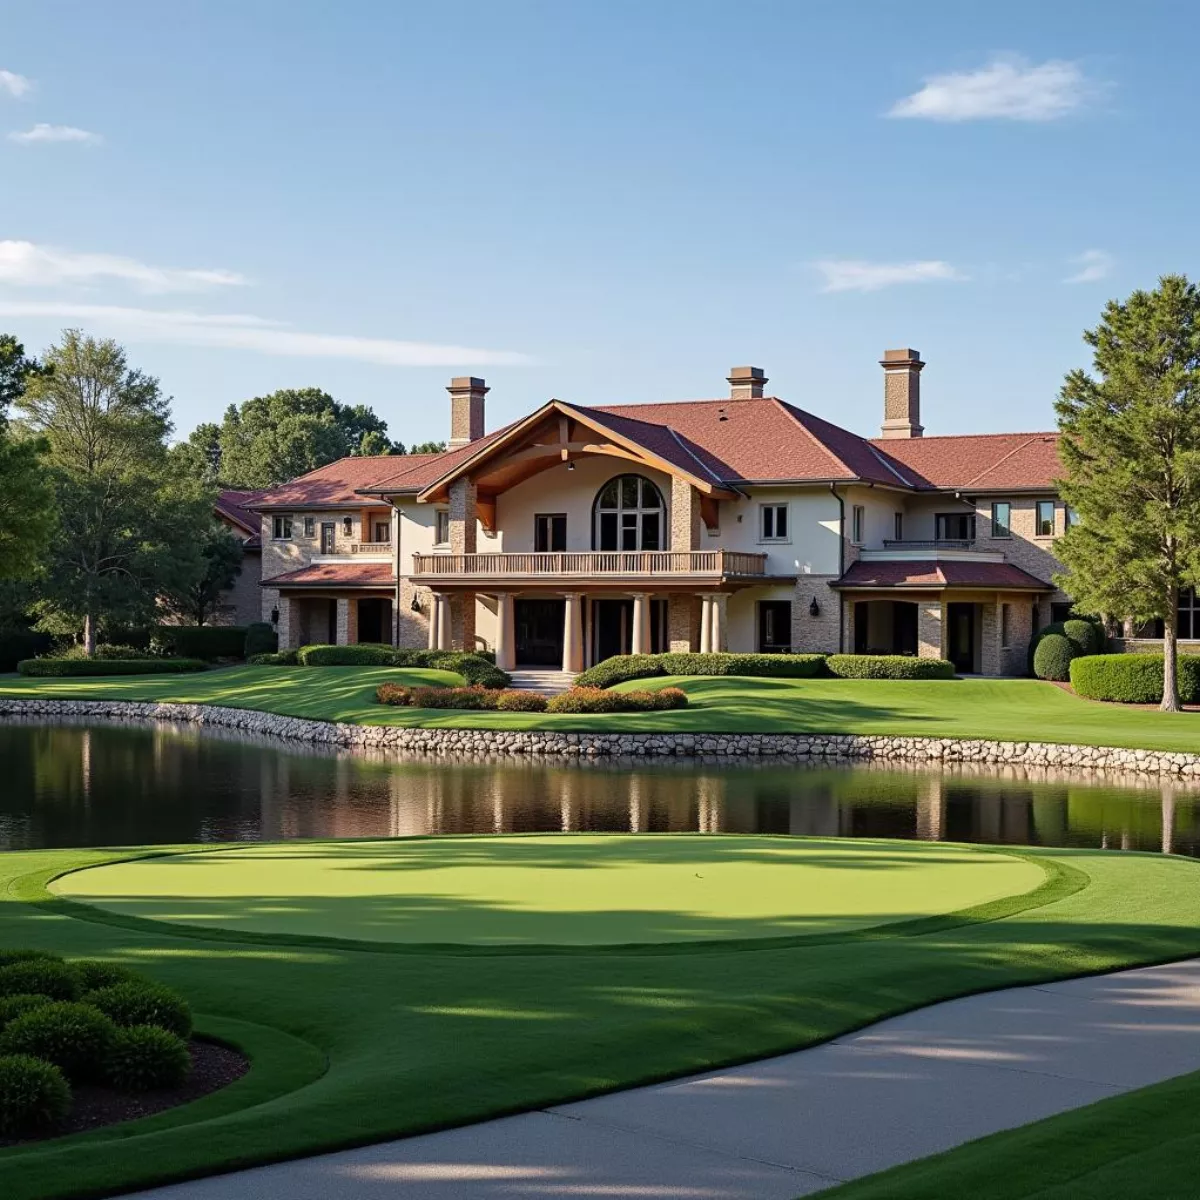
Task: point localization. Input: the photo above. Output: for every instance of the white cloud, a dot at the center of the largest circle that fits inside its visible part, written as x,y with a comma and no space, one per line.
854,275
1007,88
42,132
14,84
1091,267
243,331
27,264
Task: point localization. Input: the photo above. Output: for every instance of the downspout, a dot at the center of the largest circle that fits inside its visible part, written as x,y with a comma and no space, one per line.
841,564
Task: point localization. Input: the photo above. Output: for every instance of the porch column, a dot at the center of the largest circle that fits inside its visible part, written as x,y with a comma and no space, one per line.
345,620
435,615
931,629
505,636
706,611
439,627
573,633
641,623
288,628
720,623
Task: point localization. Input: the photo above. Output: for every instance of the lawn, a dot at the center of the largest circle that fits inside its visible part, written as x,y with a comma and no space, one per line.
1003,709
354,1043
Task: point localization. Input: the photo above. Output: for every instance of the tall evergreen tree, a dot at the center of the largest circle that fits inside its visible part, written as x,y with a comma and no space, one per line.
1131,449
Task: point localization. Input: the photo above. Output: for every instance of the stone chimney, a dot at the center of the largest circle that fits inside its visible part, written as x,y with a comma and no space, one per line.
466,409
746,383
902,393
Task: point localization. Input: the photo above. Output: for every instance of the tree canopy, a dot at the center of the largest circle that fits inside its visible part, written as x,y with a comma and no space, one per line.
1131,449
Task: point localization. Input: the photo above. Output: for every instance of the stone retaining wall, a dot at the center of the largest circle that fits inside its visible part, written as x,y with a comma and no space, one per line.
472,742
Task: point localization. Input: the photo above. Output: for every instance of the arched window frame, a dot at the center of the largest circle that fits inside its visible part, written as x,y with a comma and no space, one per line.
629,526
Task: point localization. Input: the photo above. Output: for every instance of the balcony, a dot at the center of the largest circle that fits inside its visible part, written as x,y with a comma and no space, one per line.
592,566
375,548
930,549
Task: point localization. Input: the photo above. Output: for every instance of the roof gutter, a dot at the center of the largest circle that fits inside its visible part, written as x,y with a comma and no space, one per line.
841,563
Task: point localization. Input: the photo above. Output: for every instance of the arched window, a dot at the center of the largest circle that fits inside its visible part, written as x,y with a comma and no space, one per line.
629,514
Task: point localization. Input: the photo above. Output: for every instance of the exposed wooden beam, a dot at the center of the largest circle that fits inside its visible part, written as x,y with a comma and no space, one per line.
485,507
710,512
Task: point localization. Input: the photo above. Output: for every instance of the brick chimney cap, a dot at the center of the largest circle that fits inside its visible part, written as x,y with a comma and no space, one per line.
901,357
467,383
744,373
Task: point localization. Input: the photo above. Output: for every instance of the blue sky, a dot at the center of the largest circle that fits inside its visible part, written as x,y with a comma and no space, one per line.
605,202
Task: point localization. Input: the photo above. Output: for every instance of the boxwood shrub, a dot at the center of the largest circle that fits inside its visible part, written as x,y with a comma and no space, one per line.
360,654
138,1002
888,666
93,974
261,638
12,1007
40,977
55,668
1052,658
278,658
208,642
622,668
603,700
1132,678
145,1058
34,1095
74,1037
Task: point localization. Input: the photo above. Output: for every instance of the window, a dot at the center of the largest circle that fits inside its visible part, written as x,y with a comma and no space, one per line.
954,527
1005,625
348,526
774,626
550,533
858,523
382,532
1070,516
441,527
328,537
898,527
1189,614
283,529
773,523
1001,519
310,527
629,514
1044,525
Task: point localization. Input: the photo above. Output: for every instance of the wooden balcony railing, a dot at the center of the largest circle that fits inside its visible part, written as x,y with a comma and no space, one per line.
710,564
370,547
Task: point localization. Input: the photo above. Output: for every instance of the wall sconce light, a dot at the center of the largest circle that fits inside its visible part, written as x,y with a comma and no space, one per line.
814,609
416,603
274,616
570,465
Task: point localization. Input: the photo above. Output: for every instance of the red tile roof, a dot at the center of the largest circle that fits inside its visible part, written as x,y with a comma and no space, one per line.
234,506
984,461
342,574
935,575
339,484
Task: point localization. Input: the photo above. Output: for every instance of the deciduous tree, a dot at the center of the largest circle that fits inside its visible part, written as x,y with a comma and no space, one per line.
196,599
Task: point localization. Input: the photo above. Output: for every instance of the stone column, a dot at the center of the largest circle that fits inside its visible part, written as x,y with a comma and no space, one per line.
573,633
346,612
641,623
706,613
462,621
681,620
435,615
286,629
464,517
931,629
440,626
506,656
720,623
685,515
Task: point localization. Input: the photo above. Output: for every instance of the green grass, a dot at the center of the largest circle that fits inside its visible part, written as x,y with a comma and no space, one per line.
392,1040
517,891
1003,709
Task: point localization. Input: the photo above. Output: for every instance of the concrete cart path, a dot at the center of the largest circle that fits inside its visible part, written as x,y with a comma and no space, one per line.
794,1125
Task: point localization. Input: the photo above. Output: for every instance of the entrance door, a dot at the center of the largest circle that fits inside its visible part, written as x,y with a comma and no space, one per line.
614,627
375,620
328,537
774,626
961,636
539,632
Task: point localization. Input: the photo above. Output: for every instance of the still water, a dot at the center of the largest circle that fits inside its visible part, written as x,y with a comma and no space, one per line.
103,785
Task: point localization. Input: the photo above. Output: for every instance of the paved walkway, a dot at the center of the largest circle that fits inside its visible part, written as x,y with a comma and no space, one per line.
789,1126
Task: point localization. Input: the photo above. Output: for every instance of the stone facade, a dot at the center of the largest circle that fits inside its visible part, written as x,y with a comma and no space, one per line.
470,742
931,629
821,634
685,515
412,628
1024,548
683,624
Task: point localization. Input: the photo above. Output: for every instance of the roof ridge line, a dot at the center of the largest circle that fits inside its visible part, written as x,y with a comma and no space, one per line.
693,455
790,411
1029,440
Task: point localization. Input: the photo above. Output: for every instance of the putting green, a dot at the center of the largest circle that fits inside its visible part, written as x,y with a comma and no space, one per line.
583,889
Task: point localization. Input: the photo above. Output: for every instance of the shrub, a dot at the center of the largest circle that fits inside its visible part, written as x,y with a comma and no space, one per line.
208,642
144,1058
53,668
40,977
104,653
888,666
602,700
143,1003
16,644
623,667
514,700
12,1007
361,654
261,638
281,658
394,693
1052,658
13,954
92,974
473,668
1086,636
1132,678
458,697
785,666
33,1095
74,1037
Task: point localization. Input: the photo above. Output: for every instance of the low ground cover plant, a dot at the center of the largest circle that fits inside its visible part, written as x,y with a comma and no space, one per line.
54,668
81,1022
1132,678
601,700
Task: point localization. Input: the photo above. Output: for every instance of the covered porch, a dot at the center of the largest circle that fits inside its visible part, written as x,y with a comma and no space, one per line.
335,604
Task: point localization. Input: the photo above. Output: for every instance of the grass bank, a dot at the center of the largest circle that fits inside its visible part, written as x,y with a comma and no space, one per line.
1001,709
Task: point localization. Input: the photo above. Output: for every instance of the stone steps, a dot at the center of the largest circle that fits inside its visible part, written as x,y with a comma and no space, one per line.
543,680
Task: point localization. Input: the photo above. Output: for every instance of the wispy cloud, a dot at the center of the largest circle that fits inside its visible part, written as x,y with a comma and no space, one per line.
855,275
1008,88
244,331
27,264
1091,266
42,132
14,84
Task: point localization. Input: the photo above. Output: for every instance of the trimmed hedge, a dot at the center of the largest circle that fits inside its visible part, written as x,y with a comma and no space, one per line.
34,1095
93,974
602,700
474,697
58,668
40,977
139,1002
74,1037
1132,678
208,642
515,700
277,658
145,1058
16,644
888,666
1052,658
361,654
261,638
474,668
622,668
12,1007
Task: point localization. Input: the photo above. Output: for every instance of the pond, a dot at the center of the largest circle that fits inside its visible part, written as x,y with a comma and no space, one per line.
125,784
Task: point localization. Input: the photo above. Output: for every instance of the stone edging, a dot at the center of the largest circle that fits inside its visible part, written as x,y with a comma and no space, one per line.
468,742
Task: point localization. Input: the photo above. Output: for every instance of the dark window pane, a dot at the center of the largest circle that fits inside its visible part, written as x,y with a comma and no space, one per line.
781,521
608,495
650,526
608,531
558,534
768,521
629,491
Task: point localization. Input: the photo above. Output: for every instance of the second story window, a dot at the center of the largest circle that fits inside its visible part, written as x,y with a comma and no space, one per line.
1001,519
381,531
858,524
898,527
550,533
441,529
282,529
628,514
955,527
773,523
310,527
1071,516
1044,524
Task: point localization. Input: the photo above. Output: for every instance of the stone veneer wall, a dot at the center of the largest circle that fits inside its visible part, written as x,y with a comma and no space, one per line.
453,742
819,634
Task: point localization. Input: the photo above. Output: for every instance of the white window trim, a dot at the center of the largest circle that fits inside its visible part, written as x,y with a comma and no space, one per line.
858,525
775,541
284,523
